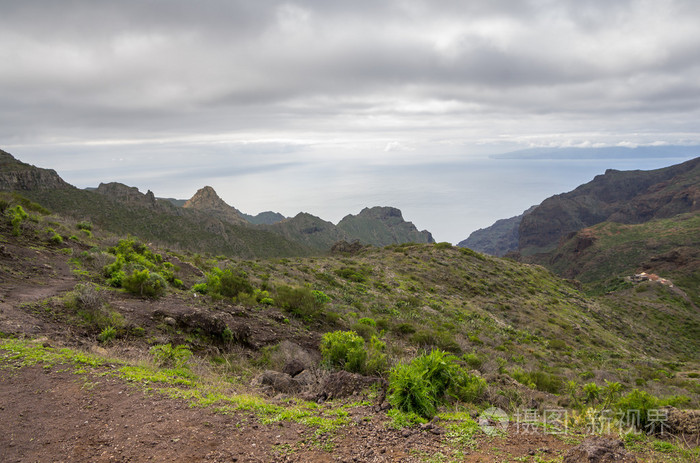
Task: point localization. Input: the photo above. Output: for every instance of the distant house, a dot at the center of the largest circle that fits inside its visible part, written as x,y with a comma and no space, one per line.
640,277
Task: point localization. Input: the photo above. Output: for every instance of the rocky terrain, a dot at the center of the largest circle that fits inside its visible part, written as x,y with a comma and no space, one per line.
113,348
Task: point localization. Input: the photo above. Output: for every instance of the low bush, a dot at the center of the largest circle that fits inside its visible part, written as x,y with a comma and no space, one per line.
17,216
421,386
346,350
84,226
166,355
298,301
634,407
144,283
107,334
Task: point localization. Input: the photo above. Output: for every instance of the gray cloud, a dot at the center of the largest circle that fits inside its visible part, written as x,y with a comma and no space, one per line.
341,81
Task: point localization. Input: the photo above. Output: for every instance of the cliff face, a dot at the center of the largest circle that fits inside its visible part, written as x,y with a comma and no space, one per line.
16,175
206,200
126,195
382,226
497,240
625,197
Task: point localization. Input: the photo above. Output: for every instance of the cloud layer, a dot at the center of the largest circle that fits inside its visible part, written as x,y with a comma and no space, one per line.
281,85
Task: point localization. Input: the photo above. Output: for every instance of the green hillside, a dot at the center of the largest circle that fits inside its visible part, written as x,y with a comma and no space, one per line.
167,226
667,247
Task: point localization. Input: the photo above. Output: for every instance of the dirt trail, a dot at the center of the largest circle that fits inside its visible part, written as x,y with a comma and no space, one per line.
52,414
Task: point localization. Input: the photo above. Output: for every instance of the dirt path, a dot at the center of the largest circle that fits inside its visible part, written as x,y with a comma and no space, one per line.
52,414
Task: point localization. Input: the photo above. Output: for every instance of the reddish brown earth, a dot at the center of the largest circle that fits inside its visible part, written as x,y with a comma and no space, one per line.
51,414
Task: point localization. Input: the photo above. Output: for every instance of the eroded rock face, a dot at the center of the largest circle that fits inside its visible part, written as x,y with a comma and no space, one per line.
127,195
598,449
17,176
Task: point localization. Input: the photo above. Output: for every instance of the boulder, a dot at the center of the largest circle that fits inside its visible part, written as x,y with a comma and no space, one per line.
598,449
279,382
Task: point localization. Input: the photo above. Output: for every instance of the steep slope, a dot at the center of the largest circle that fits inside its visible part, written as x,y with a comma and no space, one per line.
206,200
667,247
497,240
617,196
381,226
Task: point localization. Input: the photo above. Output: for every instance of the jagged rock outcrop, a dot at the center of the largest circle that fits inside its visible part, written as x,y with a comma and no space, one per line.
127,195
19,176
381,226
206,200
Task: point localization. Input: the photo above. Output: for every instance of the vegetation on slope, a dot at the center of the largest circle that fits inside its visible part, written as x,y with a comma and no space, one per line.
530,336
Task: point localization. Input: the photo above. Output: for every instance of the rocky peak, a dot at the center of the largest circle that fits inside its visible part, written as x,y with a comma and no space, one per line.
381,212
381,226
206,200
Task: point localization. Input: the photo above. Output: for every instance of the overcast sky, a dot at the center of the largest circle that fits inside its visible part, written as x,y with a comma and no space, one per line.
329,106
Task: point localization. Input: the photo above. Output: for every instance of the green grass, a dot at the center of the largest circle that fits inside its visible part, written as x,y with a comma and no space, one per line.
175,383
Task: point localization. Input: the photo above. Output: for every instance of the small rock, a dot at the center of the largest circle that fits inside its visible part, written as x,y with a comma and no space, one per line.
598,449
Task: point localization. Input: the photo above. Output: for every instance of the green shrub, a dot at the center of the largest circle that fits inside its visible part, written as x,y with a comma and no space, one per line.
299,301
539,380
364,330
354,274
436,339
636,404
200,288
473,360
376,358
168,356
367,321
344,350
144,283
17,216
84,226
420,386
108,334
591,392
321,297
411,392
56,238
232,283
466,387
443,245
405,328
